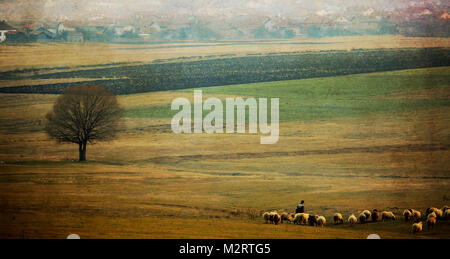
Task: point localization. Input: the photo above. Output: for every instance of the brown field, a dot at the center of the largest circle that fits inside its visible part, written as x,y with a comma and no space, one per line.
11,83
24,56
151,183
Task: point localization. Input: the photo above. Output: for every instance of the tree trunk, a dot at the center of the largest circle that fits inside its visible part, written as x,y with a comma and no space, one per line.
82,151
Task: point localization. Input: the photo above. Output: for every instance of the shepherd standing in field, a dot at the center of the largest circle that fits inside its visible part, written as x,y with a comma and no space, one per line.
300,207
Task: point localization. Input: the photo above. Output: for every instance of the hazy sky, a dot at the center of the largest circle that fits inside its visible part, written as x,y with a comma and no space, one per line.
128,9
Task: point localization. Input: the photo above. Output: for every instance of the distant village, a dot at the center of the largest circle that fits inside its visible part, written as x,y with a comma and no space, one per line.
368,23
194,30
35,32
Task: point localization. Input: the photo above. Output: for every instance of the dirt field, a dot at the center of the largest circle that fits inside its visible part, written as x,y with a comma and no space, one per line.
338,150
55,55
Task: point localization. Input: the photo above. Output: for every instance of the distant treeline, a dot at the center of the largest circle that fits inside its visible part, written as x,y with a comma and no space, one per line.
239,70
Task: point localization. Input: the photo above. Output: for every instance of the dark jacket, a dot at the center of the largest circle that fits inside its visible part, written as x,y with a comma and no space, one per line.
300,208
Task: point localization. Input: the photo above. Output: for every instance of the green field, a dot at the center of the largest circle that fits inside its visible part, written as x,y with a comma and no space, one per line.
348,143
331,97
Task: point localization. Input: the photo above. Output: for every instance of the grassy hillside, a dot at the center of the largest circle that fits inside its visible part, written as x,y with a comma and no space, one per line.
347,143
325,98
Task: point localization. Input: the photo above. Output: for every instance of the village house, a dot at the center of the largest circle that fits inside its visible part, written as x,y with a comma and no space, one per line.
68,34
43,34
4,29
93,33
74,36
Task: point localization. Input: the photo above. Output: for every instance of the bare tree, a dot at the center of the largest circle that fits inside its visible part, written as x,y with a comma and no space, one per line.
84,114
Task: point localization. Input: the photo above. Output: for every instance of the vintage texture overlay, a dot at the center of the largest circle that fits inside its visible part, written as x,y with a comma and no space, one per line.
363,89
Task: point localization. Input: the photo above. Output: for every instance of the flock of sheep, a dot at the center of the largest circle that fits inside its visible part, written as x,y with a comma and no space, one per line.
432,216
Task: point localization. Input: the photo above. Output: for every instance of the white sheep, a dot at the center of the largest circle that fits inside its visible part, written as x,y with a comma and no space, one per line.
431,221
387,215
297,218
432,215
430,210
416,215
312,220
447,214
266,217
286,217
352,219
338,219
272,216
321,221
276,219
368,214
304,218
301,218
407,214
417,227
362,218
439,213
445,208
